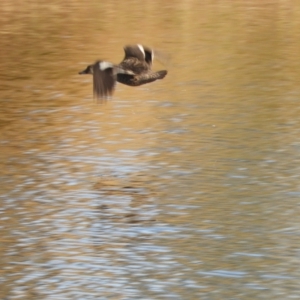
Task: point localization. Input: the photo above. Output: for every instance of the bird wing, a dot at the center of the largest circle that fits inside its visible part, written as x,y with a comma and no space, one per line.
104,79
149,55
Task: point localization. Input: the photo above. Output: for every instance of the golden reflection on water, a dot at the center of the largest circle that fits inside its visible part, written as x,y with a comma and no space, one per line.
195,175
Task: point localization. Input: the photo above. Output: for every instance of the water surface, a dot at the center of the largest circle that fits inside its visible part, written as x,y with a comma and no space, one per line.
187,188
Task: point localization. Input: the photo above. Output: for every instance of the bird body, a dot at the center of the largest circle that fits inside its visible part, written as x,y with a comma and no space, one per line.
134,70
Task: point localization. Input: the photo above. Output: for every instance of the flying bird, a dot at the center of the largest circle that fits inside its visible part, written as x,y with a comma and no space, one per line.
134,70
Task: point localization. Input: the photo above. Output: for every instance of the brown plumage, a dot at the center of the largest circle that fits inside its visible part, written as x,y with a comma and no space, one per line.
134,70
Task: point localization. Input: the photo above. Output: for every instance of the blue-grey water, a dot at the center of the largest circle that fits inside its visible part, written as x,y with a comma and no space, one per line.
187,188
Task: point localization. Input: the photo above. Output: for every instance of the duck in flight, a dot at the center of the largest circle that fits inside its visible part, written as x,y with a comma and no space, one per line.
134,70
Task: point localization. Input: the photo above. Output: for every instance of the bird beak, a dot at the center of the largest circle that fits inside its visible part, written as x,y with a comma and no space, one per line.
85,71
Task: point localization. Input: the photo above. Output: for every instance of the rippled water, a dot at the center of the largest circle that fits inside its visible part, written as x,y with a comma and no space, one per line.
187,188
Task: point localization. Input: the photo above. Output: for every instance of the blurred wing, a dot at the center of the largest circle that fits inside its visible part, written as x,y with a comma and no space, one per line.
104,81
162,57
149,55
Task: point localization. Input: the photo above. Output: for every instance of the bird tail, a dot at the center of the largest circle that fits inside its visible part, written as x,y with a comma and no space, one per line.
161,74
147,77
